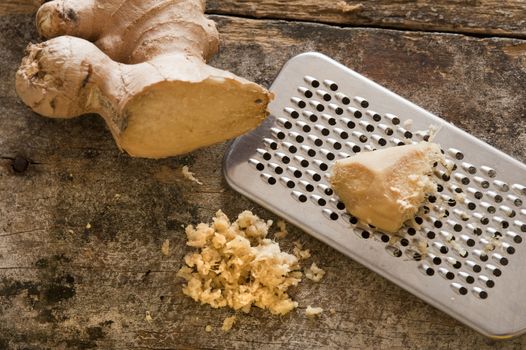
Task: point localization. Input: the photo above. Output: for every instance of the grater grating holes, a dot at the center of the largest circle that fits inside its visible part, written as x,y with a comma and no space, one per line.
299,102
331,84
361,101
394,251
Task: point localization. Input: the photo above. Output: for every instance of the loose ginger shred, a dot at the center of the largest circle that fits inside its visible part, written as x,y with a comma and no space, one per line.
236,266
314,273
190,175
313,311
228,323
282,233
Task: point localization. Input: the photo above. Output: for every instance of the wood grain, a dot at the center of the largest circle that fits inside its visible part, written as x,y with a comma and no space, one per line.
11,7
66,286
482,17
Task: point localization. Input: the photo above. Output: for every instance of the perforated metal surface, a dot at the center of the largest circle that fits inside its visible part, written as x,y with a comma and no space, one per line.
462,253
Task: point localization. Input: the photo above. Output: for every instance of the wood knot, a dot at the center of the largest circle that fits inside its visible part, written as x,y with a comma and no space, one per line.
20,164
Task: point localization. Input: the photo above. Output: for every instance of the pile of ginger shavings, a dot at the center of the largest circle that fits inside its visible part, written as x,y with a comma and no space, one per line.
237,266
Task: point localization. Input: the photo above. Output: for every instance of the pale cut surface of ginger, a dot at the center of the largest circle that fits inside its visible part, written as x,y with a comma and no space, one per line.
385,188
236,266
142,66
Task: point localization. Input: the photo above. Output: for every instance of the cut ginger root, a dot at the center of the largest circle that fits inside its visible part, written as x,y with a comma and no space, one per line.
385,188
141,65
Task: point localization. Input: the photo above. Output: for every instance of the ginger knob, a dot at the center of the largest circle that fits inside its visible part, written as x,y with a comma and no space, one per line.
141,65
385,188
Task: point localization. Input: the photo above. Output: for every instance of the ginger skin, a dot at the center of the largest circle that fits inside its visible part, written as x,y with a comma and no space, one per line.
141,65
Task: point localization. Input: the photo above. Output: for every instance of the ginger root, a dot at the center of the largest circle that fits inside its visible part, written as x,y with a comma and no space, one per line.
385,188
141,65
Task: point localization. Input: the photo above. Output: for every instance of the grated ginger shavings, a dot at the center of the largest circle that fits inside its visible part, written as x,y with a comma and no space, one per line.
190,175
236,266
313,311
165,247
314,273
228,323
299,252
282,233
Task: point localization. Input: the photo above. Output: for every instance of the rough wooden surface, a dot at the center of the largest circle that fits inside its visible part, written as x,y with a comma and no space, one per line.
19,6
486,17
489,17
66,286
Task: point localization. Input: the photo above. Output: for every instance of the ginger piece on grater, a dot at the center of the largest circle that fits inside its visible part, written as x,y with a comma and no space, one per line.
385,188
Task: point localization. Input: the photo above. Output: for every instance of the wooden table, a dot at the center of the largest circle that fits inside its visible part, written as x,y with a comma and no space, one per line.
64,286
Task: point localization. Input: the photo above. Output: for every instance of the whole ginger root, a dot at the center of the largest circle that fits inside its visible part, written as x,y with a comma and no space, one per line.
141,65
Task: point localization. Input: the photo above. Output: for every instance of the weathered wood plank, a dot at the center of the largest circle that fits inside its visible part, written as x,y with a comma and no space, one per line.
485,17
65,286
11,7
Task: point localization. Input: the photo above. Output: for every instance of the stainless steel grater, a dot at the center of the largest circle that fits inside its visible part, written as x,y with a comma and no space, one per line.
462,254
